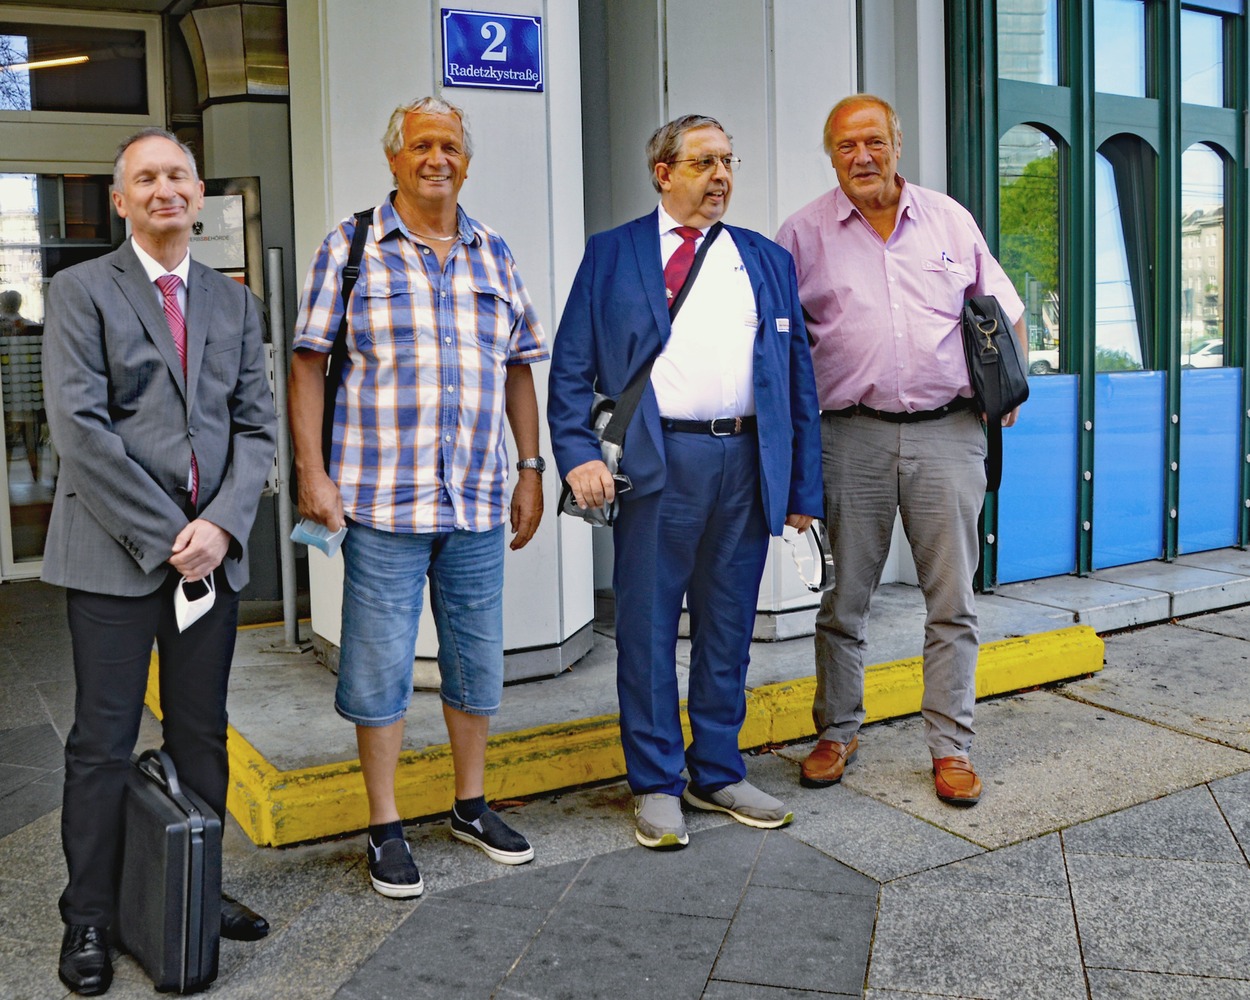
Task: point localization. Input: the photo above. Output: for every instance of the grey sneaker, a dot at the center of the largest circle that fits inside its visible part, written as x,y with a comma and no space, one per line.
658,821
743,801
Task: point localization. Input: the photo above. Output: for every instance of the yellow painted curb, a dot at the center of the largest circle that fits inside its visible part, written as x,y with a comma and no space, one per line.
277,808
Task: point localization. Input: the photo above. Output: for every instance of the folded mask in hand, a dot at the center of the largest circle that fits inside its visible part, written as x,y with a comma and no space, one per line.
193,600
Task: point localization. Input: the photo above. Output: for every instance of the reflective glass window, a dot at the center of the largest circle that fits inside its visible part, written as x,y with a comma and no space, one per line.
1202,258
47,222
1028,40
60,67
1120,47
1117,295
1202,58
1028,242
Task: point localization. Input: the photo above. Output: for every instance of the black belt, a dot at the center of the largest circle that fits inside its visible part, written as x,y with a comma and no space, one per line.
721,427
954,406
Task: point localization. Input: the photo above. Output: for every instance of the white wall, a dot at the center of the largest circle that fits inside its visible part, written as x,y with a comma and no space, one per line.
351,64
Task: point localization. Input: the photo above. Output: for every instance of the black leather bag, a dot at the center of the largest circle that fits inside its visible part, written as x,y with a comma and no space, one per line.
997,371
169,897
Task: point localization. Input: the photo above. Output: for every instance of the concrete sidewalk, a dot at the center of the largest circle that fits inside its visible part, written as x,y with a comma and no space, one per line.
1107,858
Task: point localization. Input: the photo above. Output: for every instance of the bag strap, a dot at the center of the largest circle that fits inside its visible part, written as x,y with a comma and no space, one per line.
627,403
985,310
338,351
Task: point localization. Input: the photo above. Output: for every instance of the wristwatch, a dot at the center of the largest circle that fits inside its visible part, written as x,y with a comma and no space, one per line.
532,463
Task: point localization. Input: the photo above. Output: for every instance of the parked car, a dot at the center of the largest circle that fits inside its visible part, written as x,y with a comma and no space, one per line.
1209,354
1044,362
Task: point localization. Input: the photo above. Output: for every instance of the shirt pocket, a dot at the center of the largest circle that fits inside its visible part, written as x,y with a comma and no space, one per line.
946,285
492,318
382,311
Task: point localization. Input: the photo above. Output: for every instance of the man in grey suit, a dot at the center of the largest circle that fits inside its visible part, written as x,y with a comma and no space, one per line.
162,418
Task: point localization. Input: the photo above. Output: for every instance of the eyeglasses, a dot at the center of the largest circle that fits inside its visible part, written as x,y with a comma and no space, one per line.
702,164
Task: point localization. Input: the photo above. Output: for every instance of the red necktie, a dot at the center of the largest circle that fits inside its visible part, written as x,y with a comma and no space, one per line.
168,284
678,266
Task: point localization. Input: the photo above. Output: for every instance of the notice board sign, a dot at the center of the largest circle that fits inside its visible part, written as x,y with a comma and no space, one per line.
499,51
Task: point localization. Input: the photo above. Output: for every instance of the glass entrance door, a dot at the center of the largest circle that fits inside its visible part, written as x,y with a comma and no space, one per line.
47,222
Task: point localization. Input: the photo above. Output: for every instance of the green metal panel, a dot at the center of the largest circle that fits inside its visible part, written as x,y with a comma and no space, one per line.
1078,272
1167,326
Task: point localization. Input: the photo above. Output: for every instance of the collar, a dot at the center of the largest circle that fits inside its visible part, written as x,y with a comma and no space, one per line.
668,223
154,268
391,224
844,208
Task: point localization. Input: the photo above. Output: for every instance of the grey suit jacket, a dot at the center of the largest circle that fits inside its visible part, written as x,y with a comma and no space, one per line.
124,422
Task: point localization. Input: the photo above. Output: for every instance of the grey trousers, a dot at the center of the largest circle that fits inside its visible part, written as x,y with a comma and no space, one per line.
933,473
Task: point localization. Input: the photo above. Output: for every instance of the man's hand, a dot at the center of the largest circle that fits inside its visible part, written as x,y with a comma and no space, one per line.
1009,419
592,484
319,499
527,507
799,522
199,549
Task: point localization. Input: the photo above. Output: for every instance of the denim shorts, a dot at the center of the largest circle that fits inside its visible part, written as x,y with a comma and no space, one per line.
384,581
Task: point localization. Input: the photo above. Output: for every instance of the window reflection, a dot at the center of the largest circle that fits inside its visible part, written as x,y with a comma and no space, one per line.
1202,258
61,67
1028,47
1120,47
47,222
1123,194
1028,214
1202,58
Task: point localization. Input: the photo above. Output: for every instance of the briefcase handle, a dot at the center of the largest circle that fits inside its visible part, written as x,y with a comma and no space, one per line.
159,767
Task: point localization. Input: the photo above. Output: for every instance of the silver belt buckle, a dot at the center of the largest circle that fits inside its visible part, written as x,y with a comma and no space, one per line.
737,427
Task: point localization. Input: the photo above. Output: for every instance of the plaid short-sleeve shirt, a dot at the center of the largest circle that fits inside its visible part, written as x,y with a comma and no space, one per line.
419,420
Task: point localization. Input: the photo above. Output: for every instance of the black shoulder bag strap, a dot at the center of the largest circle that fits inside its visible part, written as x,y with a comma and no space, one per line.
629,399
338,352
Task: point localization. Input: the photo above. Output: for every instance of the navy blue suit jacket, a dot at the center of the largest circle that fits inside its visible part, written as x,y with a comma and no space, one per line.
616,318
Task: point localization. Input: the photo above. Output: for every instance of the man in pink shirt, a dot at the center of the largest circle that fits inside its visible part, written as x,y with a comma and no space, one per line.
884,268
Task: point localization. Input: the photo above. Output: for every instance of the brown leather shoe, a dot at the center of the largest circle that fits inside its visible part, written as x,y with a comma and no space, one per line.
825,764
956,782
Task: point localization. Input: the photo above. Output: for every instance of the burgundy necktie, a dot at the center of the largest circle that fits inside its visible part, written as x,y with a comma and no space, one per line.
678,266
168,284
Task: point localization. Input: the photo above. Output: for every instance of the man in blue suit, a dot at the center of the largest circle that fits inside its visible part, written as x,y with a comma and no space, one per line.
723,450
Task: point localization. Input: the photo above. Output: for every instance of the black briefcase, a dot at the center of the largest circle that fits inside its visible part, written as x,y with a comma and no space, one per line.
169,901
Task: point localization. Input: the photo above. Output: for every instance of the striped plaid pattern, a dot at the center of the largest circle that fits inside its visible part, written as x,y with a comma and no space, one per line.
419,425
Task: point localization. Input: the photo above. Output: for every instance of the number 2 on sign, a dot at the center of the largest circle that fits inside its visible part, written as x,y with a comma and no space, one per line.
496,51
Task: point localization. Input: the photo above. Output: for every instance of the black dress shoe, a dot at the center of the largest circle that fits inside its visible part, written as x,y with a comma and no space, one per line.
85,967
241,923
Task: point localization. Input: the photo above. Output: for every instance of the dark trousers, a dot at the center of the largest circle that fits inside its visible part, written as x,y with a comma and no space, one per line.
112,642
703,535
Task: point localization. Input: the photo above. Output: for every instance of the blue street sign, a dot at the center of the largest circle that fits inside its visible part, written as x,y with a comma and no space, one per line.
503,51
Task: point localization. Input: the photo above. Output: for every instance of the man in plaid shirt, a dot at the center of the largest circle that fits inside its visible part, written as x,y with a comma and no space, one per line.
440,337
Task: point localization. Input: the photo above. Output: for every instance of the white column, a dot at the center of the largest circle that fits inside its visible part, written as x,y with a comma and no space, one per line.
351,64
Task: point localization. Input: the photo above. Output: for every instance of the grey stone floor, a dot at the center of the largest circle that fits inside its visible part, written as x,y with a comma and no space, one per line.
1107,859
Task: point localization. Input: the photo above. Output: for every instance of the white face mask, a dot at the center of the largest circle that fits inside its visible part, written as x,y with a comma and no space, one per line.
188,611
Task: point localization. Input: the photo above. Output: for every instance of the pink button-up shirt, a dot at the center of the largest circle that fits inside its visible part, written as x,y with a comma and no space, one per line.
884,316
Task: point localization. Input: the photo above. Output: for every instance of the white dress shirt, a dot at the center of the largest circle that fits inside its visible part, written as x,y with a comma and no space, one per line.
705,370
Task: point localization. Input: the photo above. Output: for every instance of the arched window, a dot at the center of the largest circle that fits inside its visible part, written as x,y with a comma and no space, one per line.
1028,242
1202,257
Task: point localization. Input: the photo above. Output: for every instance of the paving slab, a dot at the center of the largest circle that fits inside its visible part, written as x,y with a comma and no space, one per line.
975,944
1194,681
786,863
586,951
1101,604
786,938
449,947
1192,588
1033,868
1151,915
1184,825
864,834
1233,797
1234,623
1113,984
1024,751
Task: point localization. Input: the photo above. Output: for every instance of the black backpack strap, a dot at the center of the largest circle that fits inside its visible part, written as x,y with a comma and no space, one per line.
338,351
629,399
